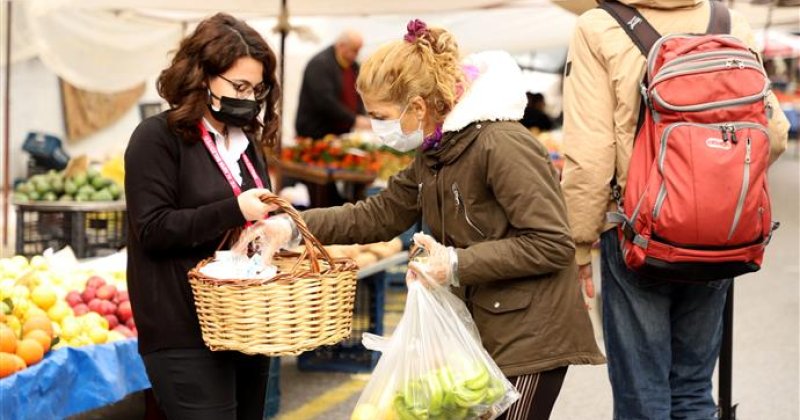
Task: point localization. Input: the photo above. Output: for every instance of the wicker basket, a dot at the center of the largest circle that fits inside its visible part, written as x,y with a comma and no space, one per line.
307,305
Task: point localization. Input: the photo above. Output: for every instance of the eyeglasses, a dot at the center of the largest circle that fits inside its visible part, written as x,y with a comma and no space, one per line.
244,89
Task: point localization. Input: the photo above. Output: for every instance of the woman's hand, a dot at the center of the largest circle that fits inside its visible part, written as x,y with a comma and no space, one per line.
440,266
271,235
252,207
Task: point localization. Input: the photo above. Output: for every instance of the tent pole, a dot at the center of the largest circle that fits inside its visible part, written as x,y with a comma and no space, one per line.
283,24
6,128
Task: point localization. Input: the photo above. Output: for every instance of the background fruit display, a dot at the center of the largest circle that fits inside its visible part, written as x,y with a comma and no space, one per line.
43,308
350,154
106,300
365,255
554,147
88,185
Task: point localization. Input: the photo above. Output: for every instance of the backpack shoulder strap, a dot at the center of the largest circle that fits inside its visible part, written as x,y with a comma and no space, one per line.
719,21
638,29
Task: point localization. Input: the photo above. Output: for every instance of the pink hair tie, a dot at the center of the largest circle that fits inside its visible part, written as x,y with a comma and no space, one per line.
415,29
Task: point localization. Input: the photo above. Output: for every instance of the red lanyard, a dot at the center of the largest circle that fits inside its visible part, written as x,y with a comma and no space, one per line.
212,148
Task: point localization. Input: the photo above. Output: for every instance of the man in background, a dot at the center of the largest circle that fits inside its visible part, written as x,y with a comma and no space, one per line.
329,103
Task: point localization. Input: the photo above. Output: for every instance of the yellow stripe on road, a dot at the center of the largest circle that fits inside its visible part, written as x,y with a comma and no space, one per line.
326,401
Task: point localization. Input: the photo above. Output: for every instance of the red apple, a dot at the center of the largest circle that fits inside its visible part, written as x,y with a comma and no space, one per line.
113,322
109,308
123,330
88,294
95,282
135,332
80,309
124,311
130,324
74,298
96,305
121,296
106,292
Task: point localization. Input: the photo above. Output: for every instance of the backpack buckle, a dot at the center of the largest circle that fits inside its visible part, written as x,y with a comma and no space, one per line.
645,98
616,195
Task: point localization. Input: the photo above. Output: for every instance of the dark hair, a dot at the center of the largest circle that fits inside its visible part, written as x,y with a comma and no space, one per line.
212,49
534,98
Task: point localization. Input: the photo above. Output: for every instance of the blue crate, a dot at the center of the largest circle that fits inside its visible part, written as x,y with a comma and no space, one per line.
350,355
396,276
46,150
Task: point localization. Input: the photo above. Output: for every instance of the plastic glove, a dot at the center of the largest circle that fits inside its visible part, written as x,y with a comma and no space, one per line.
252,207
270,235
439,268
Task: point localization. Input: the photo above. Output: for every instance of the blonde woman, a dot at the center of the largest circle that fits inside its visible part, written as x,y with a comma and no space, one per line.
488,192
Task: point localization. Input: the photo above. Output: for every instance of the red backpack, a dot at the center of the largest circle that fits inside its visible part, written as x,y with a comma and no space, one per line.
696,205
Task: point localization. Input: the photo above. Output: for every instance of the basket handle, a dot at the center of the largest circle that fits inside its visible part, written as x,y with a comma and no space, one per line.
313,248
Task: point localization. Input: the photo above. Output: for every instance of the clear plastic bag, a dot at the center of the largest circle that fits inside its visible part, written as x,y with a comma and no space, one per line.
433,366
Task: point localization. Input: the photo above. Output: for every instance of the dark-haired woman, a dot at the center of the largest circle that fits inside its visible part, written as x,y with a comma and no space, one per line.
192,173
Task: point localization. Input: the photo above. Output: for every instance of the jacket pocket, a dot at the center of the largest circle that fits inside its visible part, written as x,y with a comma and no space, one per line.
509,321
499,301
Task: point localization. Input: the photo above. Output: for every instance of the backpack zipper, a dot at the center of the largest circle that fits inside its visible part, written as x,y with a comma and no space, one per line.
743,194
692,68
722,127
657,46
713,105
662,195
460,203
706,56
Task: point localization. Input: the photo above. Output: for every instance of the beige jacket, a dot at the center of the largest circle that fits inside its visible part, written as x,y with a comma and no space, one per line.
601,105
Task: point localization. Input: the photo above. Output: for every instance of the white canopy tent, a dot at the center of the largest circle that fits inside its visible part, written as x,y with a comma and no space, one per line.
111,45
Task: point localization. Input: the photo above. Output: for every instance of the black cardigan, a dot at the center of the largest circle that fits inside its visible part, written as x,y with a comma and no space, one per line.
179,208
320,110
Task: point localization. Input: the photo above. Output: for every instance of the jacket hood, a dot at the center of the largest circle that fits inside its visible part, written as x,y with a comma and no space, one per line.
497,94
662,4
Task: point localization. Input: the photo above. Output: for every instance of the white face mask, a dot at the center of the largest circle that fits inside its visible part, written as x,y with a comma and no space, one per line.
391,134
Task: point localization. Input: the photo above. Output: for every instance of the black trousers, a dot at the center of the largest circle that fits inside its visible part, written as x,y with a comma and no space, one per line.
198,384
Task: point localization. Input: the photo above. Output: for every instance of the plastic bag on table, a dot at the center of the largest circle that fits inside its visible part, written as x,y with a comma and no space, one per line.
433,366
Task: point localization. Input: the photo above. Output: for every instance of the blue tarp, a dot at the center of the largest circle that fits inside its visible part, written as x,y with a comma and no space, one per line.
73,380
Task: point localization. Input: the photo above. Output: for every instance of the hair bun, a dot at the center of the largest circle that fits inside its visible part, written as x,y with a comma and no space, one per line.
414,30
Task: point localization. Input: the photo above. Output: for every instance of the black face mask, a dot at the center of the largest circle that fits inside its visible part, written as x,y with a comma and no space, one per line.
235,112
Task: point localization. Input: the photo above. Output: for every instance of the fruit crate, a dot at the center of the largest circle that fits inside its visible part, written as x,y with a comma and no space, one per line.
350,355
90,229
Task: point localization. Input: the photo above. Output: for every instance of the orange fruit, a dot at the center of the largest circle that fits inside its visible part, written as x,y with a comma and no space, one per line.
8,340
37,322
42,337
30,351
10,364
